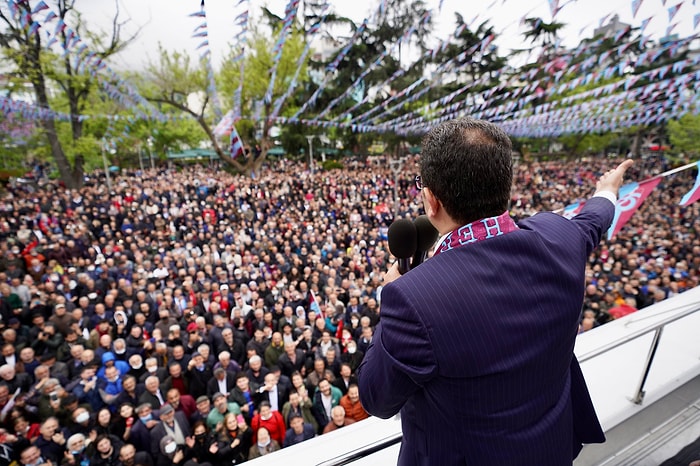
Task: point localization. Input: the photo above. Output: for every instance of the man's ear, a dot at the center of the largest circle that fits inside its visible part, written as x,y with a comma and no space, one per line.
432,205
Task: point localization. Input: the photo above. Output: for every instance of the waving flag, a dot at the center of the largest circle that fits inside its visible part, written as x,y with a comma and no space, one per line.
573,210
694,194
631,197
313,305
236,143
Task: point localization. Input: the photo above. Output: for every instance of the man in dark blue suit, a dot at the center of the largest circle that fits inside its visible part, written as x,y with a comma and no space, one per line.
475,346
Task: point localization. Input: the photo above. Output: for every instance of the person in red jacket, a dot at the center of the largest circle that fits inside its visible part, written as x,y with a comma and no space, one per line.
271,420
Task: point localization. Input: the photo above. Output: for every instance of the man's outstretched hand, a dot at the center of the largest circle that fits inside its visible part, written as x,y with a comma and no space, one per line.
612,179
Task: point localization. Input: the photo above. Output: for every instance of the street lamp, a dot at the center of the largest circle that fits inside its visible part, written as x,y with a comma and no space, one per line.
310,138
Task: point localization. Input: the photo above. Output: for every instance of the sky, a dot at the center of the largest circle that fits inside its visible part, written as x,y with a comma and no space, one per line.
167,21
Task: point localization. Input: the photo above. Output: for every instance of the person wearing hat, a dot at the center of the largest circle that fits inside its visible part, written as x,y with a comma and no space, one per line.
61,318
203,409
172,424
221,408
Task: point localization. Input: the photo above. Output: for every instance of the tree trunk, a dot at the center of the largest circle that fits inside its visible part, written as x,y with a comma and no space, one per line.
637,144
72,177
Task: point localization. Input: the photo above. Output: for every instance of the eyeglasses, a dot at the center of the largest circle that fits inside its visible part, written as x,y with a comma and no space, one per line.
419,183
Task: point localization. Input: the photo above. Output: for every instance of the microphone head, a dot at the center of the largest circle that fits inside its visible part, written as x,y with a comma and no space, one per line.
426,233
402,238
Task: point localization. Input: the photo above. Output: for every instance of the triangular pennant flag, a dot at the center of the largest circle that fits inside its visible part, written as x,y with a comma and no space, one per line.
696,21
673,10
694,194
631,197
635,7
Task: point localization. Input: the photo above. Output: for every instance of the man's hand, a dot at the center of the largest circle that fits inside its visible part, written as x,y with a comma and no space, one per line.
392,274
612,179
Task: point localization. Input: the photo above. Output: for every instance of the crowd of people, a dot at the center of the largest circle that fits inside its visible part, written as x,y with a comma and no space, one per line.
190,316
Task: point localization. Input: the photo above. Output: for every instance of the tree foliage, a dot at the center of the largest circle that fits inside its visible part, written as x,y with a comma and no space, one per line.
45,71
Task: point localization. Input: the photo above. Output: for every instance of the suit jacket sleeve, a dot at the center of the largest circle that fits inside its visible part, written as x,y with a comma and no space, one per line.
594,220
400,359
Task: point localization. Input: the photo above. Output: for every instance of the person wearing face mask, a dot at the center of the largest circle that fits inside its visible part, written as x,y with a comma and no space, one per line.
172,424
202,447
152,368
271,421
169,452
31,456
352,356
140,436
110,387
81,422
265,445
75,454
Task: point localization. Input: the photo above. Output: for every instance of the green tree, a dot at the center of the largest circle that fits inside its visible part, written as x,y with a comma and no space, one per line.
684,135
46,72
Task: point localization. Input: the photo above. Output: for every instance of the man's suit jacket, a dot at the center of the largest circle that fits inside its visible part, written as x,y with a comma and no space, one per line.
282,396
475,348
140,436
151,399
158,432
213,384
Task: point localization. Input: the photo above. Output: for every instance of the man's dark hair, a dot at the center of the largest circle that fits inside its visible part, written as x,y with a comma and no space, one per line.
467,165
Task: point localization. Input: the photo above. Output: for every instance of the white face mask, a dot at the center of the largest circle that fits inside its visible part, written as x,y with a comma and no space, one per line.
263,444
170,448
137,366
351,349
152,369
82,417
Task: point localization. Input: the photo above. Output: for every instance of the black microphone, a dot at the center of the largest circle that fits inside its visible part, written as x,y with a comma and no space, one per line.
426,235
402,240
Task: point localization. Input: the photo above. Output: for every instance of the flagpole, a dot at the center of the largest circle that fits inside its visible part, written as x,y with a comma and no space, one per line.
675,170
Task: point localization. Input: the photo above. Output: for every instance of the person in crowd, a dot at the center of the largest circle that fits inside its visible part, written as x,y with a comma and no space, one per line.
221,408
203,446
338,420
299,406
140,436
325,399
264,445
352,405
270,420
299,431
172,425
235,440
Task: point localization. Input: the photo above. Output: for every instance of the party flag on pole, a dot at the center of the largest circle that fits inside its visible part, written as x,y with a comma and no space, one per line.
572,210
694,194
313,305
631,197
236,143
